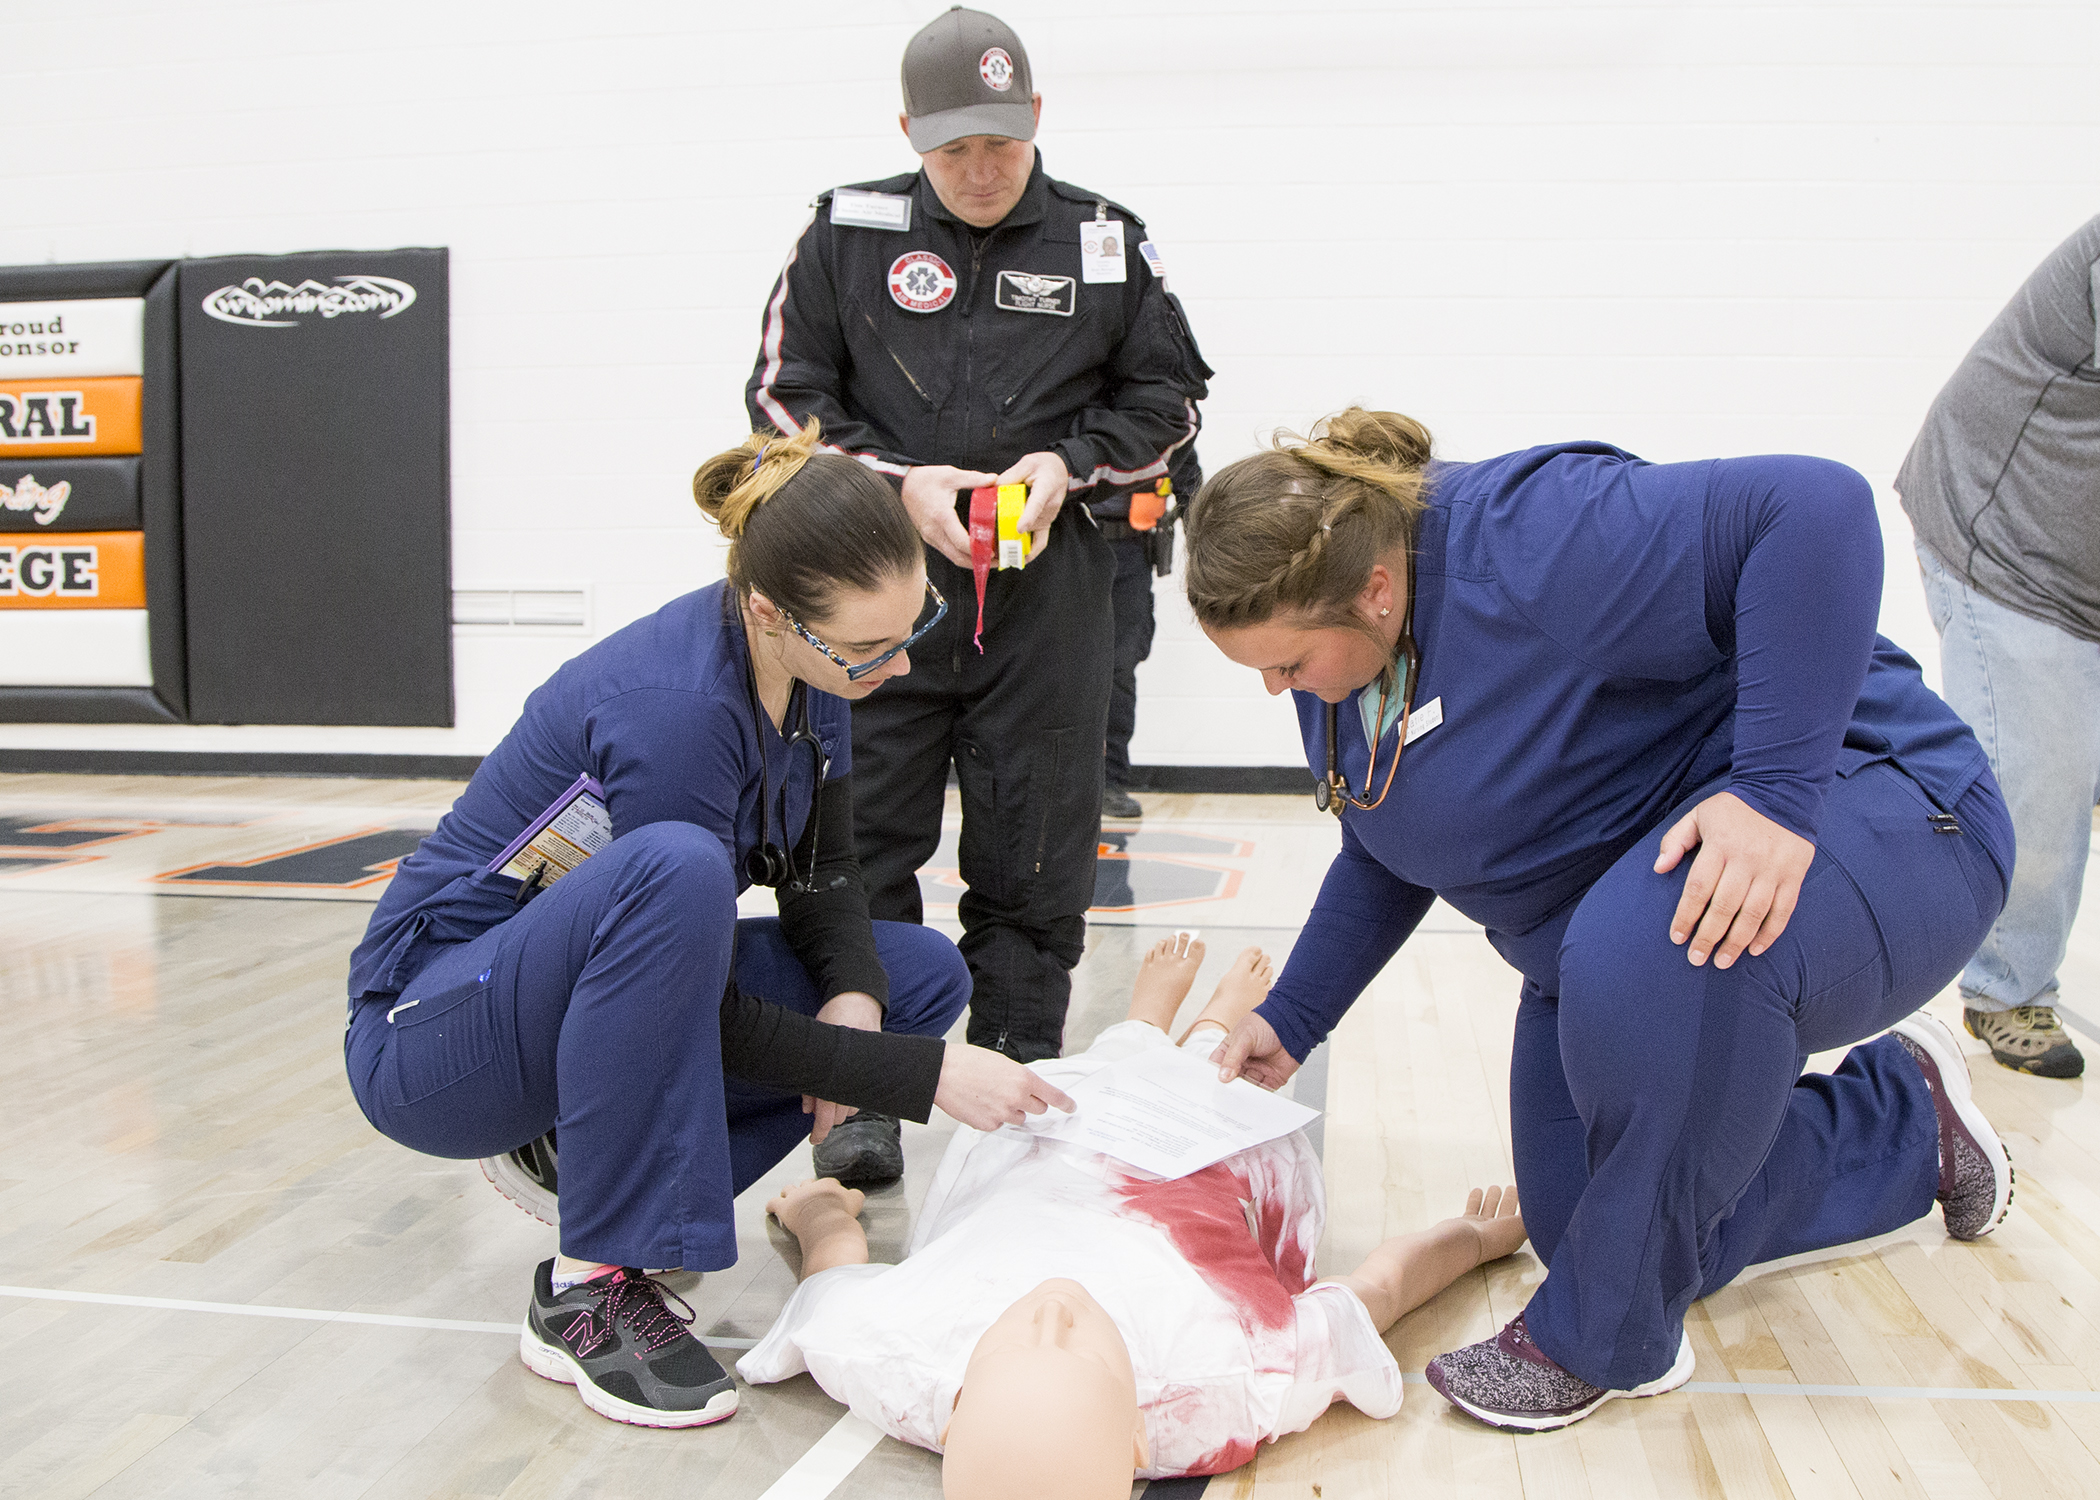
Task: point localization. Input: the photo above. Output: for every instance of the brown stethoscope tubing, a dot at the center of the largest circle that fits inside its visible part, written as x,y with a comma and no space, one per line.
1333,794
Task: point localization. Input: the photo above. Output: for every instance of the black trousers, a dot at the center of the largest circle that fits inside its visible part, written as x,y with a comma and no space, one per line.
1134,625
1022,723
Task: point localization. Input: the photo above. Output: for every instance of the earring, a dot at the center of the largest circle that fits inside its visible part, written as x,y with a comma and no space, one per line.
1383,613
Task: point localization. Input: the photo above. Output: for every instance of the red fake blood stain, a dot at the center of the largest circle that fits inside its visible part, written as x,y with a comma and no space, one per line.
1201,1214
1223,1460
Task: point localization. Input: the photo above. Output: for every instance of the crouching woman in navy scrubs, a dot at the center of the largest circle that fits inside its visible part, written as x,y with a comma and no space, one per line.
1654,746
672,1047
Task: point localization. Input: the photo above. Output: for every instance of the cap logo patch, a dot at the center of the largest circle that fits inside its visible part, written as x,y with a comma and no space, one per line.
996,69
921,282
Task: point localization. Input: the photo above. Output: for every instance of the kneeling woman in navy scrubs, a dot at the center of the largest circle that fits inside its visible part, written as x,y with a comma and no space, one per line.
674,1047
1633,719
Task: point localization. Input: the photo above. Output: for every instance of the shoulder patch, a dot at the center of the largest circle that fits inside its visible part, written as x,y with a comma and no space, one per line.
1154,258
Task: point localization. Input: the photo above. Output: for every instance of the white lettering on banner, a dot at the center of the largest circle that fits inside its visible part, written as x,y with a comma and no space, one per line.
45,417
91,336
29,495
44,569
256,303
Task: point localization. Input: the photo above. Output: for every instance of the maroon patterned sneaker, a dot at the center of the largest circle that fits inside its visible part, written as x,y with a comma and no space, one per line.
1510,1383
1976,1172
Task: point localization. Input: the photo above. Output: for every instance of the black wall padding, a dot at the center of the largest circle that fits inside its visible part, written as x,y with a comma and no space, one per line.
315,480
160,497
82,705
102,494
59,283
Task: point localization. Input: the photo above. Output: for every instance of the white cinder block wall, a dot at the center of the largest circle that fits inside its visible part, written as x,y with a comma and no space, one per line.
1700,228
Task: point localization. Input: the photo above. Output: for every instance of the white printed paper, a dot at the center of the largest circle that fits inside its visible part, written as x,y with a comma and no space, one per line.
89,336
1424,719
1164,1111
870,210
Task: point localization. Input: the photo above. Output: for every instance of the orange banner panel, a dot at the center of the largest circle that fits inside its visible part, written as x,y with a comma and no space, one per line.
74,570
69,418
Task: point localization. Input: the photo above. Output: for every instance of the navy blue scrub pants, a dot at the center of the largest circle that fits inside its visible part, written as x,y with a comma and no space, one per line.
1665,1136
596,1010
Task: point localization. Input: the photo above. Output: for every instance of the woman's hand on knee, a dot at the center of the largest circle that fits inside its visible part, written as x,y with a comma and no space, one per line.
1742,887
1253,1051
987,1089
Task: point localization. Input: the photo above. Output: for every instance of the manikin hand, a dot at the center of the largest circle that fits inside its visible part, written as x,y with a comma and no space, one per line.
1252,1050
848,1008
1047,480
987,1089
929,499
1746,879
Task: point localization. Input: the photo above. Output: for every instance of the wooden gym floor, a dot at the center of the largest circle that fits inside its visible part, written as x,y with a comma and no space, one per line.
216,1279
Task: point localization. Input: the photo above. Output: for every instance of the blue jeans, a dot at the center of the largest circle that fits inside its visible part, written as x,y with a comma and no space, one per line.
597,1009
2032,694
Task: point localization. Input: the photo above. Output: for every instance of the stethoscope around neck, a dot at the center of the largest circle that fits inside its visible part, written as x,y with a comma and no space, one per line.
1332,793
768,864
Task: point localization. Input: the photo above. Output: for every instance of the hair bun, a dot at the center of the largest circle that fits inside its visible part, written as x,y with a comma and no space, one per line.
731,485
1384,437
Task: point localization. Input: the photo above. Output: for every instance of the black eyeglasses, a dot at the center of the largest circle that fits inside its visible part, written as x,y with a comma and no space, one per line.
857,670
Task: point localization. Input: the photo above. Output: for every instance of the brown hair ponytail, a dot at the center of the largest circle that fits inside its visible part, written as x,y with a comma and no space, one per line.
1297,529
803,524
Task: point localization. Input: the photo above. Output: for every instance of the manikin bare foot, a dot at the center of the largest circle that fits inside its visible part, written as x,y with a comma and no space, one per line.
1407,1270
1163,978
825,1218
1245,984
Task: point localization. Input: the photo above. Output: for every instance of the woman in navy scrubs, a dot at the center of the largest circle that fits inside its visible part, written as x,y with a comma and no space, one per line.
1654,746
678,1051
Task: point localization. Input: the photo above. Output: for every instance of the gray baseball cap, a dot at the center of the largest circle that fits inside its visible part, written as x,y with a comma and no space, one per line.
967,74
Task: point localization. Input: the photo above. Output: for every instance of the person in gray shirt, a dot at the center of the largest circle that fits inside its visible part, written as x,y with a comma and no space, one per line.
2001,486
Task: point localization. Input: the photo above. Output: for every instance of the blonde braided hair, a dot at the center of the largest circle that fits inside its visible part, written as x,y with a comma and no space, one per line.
1297,529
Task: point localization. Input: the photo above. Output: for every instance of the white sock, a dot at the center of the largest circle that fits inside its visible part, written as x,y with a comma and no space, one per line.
563,1280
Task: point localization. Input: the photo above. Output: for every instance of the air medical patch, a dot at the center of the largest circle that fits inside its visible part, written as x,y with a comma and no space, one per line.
996,69
921,282
1023,291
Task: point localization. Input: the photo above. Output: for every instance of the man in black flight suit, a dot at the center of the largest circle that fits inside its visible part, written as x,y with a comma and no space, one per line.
972,323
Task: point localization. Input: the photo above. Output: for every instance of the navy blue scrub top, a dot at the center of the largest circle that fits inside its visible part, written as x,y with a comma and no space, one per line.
658,712
1606,636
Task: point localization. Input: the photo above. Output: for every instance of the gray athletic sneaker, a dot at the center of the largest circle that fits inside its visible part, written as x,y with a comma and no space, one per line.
2027,1039
530,1177
864,1151
628,1355
1976,1172
1511,1383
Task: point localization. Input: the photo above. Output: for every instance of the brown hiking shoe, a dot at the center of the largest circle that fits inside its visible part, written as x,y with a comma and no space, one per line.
2027,1039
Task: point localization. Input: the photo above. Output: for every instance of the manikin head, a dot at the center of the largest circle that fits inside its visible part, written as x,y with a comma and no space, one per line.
1048,1407
1297,562
970,111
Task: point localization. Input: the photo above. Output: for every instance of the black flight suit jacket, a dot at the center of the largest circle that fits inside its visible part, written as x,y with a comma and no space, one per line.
1020,356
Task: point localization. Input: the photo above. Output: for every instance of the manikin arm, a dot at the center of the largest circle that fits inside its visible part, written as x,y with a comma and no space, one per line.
1408,1269
825,1218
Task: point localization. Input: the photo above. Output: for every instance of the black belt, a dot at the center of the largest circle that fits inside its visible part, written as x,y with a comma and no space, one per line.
1115,531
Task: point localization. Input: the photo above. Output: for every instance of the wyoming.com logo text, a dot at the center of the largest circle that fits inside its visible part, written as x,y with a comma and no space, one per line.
256,303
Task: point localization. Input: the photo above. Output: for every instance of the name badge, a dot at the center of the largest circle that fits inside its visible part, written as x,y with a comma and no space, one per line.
1101,246
1020,291
1424,719
865,210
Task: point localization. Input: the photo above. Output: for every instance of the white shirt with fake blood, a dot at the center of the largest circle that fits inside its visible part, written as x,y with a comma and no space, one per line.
1207,1279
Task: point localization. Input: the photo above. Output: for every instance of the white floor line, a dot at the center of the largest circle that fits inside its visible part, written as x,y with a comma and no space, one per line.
1868,1392
300,1314
829,1460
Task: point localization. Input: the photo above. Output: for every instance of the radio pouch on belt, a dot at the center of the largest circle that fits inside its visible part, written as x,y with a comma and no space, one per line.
996,538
